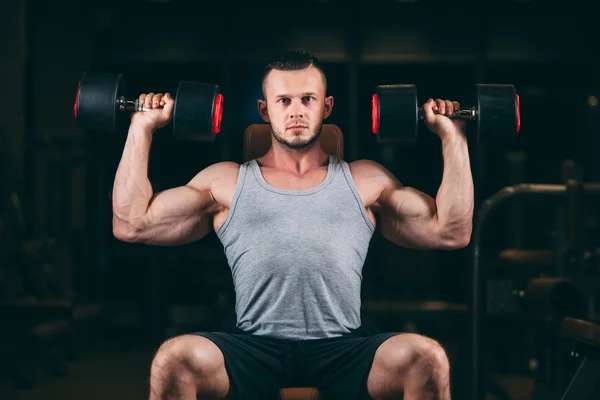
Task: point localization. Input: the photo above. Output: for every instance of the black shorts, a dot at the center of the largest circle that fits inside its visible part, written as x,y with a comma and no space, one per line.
258,367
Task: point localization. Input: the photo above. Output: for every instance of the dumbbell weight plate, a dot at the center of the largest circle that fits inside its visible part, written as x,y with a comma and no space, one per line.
498,113
395,114
95,106
198,111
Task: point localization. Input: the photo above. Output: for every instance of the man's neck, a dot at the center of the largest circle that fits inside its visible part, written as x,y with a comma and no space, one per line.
296,162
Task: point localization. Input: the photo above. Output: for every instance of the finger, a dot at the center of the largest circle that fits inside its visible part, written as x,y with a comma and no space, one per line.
148,100
142,98
157,100
429,106
449,107
169,104
456,105
429,110
441,106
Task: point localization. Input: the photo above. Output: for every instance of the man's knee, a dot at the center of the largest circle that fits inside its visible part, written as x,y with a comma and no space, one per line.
188,353
410,351
433,356
188,366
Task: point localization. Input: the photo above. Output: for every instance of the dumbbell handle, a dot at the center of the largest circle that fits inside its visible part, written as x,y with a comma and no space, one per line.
130,105
463,113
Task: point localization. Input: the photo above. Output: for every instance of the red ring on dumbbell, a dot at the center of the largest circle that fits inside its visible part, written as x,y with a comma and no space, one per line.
518,114
76,99
218,114
375,113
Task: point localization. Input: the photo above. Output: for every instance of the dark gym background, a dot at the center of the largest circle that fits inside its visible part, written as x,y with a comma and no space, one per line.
129,298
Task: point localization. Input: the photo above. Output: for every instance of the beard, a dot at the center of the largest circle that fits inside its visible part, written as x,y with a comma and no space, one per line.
297,144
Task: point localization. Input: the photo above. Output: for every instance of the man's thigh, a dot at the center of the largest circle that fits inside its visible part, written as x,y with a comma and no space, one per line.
254,365
339,367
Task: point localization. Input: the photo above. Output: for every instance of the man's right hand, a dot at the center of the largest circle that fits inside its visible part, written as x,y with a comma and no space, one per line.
158,111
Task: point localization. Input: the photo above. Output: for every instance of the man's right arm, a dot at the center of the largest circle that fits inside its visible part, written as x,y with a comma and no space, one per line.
172,217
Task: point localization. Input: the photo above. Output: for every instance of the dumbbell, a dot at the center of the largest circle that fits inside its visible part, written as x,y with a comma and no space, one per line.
396,113
101,106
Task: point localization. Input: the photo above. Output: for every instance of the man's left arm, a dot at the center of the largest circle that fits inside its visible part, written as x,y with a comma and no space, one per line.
414,219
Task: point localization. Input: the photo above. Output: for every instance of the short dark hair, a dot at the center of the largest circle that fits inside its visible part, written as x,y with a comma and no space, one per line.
292,60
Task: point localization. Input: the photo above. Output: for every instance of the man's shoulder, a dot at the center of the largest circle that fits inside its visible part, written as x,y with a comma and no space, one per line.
366,169
372,172
218,174
365,164
224,167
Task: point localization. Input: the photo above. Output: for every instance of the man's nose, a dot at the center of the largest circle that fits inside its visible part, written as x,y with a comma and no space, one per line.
296,110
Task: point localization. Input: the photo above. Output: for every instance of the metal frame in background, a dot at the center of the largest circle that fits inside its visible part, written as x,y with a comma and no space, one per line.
477,307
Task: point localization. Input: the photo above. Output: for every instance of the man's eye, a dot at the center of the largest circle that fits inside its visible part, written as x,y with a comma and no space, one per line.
284,100
307,98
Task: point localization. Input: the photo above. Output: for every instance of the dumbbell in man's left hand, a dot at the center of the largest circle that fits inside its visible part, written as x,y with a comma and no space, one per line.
158,111
436,113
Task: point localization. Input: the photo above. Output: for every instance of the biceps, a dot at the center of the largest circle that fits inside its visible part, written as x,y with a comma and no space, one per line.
177,233
411,204
179,202
417,232
177,216
408,218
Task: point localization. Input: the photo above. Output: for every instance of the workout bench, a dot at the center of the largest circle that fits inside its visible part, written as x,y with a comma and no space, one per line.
257,141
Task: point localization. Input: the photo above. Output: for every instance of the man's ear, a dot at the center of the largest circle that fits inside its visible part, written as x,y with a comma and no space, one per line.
263,111
328,107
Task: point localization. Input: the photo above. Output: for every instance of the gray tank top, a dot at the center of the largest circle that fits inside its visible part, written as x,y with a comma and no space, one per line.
296,256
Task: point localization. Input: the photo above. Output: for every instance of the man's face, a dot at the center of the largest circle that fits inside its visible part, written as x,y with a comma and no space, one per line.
295,106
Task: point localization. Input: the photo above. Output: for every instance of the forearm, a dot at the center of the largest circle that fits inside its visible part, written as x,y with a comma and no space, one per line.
132,190
454,200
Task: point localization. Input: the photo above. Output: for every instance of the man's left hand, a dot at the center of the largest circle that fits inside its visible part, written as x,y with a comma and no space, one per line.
435,115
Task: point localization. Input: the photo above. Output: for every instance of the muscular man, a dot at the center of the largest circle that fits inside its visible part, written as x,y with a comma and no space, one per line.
295,225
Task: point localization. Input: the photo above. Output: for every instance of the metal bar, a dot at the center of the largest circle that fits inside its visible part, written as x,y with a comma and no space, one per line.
463,113
583,384
574,218
521,191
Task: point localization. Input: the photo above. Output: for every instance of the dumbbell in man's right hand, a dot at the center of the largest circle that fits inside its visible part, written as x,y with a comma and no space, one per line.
158,111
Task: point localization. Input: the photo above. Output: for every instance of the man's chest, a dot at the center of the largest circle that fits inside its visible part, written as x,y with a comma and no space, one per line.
368,190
